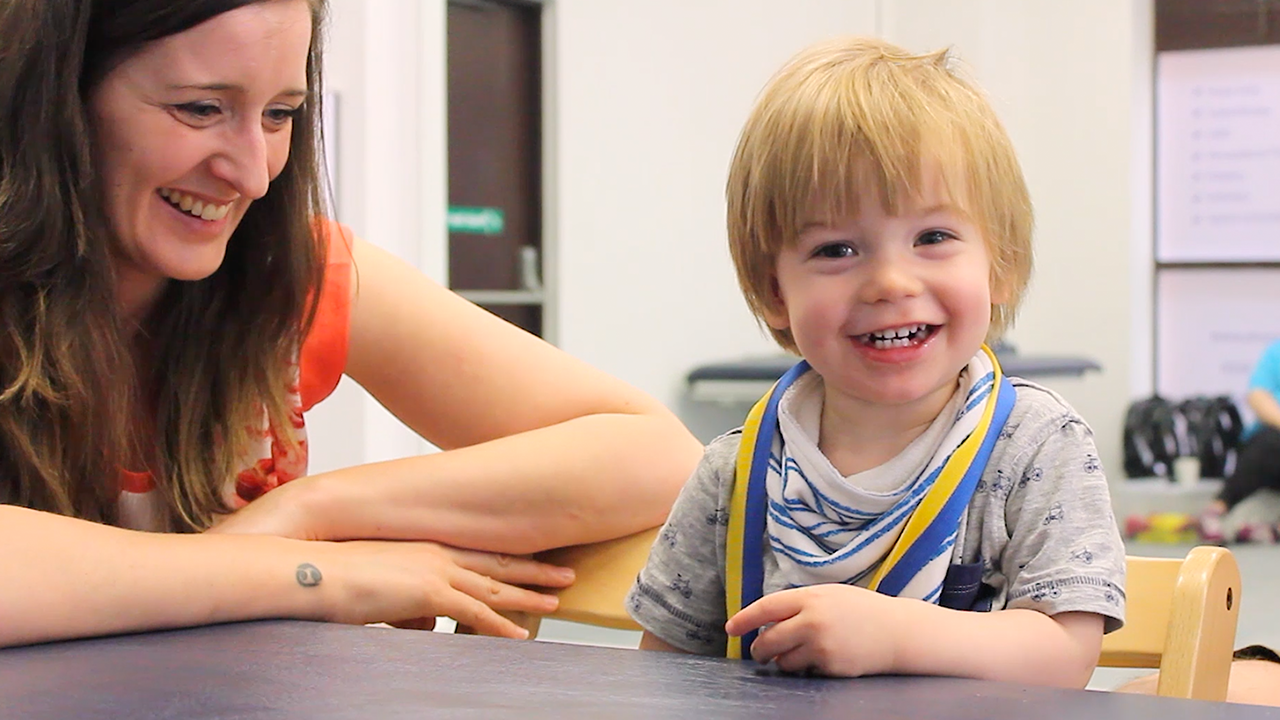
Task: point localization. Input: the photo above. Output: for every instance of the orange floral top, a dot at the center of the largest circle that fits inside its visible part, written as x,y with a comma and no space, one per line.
269,463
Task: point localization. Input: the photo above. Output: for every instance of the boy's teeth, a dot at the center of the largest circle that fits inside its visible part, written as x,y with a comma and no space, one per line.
192,206
901,332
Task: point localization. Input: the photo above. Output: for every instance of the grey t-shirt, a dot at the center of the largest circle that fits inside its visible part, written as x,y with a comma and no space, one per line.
1040,522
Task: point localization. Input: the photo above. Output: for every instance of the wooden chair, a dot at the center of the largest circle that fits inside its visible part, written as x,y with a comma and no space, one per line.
1181,618
605,572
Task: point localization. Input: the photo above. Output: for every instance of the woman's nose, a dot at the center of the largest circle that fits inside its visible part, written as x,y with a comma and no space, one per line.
244,162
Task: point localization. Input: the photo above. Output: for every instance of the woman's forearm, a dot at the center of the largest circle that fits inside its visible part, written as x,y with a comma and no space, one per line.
65,578
587,479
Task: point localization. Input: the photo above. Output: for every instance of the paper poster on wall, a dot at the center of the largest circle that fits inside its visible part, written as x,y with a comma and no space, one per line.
1218,155
1212,325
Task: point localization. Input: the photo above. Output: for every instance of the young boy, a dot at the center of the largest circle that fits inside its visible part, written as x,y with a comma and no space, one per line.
894,480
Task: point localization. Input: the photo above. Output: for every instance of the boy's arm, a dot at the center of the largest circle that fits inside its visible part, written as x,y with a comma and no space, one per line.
678,597
649,641
1023,646
850,631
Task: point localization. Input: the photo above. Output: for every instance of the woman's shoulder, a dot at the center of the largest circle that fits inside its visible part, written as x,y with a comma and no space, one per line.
323,357
339,240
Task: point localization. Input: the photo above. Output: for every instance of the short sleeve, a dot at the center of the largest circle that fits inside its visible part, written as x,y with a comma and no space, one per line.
323,357
1064,552
1266,374
679,596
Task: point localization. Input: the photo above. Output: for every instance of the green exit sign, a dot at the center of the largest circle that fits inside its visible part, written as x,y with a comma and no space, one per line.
475,220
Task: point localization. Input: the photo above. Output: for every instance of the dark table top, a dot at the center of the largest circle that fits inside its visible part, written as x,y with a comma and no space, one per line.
313,671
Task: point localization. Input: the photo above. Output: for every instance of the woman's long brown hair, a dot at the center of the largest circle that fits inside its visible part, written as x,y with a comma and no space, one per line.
221,349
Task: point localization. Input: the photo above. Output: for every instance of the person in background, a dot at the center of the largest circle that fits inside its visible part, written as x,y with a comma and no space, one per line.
173,299
1247,507
895,504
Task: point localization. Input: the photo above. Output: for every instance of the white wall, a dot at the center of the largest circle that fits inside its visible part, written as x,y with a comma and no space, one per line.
645,101
650,97
385,61
1064,77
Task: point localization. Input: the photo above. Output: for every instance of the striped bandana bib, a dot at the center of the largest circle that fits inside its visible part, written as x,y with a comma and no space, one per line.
824,531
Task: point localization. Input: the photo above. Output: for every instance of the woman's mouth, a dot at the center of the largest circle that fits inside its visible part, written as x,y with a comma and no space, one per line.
194,206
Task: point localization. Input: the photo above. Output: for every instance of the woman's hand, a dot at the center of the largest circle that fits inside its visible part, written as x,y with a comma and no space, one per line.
408,584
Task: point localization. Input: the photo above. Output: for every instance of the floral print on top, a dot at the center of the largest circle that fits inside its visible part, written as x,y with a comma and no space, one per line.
270,463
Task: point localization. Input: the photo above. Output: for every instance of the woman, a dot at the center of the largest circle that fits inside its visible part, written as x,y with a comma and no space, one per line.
171,304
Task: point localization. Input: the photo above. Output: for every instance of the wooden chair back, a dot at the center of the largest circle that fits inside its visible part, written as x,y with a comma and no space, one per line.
1181,618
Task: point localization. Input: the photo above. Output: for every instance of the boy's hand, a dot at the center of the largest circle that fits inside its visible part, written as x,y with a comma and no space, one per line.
831,629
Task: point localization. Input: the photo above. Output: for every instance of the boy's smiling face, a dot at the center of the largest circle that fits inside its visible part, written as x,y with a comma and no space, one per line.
888,308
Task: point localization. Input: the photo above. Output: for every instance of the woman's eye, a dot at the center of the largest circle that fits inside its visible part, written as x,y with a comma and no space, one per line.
199,110
282,115
834,251
933,237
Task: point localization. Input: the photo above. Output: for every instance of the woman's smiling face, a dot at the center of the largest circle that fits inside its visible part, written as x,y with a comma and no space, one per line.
190,130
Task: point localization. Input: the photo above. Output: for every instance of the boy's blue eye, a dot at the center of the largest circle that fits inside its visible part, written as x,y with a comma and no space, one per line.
834,251
933,237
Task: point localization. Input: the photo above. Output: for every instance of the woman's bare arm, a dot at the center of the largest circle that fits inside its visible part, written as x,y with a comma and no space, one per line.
66,578
541,450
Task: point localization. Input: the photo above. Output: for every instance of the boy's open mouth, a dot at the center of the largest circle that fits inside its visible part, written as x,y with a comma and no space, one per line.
898,337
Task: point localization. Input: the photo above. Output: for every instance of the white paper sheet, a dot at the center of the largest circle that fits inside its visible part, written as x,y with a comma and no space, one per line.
1211,327
1218,155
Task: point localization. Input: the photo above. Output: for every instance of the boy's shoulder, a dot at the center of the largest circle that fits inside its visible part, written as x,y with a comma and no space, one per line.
722,452
1039,411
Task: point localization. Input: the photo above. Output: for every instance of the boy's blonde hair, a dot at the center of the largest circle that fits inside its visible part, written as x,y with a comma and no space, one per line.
851,112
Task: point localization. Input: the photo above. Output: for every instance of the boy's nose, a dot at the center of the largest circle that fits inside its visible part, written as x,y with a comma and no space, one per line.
889,281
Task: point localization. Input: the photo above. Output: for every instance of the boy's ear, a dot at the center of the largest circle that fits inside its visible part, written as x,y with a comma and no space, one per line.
1000,292
775,313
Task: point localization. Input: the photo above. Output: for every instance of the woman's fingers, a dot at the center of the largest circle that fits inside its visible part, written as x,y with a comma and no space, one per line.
513,569
501,596
480,617
422,623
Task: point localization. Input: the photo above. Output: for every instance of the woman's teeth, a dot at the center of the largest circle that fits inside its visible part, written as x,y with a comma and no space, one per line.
193,206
